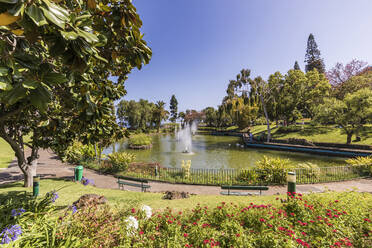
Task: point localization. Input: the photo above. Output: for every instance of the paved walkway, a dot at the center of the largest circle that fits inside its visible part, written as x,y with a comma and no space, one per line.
50,167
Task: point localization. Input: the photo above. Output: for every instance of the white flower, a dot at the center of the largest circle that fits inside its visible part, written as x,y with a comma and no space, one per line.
147,210
132,223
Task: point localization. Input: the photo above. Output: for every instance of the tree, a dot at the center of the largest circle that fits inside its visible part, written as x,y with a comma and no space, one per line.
312,57
173,108
210,116
345,78
296,66
136,115
261,88
159,114
55,72
351,114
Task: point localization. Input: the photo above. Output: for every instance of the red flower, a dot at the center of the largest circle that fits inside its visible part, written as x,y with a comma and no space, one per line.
334,230
366,219
185,235
238,235
262,220
133,210
206,241
292,214
141,232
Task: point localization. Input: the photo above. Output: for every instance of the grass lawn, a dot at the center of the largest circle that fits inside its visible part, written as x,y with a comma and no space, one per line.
69,192
329,134
6,154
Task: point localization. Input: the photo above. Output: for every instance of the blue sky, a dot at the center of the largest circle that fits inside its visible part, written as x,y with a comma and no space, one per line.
199,45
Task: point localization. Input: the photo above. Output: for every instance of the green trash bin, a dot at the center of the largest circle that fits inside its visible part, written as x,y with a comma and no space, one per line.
78,173
36,185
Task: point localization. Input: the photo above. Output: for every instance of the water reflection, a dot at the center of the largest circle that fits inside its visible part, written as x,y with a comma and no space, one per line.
215,152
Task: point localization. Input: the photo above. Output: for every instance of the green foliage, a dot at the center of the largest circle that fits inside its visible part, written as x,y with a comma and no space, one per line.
364,162
55,75
351,114
121,160
173,105
140,140
273,170
312,57
78,152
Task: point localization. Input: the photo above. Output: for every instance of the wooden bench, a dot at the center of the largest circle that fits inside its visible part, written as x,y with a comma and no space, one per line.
241,187
143,183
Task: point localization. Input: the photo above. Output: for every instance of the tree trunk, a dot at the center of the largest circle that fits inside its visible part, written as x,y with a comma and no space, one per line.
267,119
349,136
29,177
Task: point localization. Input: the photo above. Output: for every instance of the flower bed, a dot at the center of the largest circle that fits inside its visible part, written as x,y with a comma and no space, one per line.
314,220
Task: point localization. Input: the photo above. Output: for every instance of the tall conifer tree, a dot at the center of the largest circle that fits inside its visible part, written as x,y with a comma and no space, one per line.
173,108
312,57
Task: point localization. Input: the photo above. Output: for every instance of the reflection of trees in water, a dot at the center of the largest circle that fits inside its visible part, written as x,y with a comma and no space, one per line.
215,152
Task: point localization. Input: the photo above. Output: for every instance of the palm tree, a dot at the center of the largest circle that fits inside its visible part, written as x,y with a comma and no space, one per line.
159,113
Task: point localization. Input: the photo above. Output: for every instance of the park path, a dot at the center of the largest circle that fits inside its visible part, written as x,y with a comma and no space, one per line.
50,166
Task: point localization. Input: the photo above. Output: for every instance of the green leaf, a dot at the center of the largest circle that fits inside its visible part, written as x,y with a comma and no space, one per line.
69,35
4,71
14,95
30,84
36,15
54,78
17,9
9,1
59,12
88,36
5,83
51,17
40,98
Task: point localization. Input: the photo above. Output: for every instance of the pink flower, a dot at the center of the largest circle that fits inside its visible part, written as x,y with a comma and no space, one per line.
141,232
185,235
238,235
133,210
262,220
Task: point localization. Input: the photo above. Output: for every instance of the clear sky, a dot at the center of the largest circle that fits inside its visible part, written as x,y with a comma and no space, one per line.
199,45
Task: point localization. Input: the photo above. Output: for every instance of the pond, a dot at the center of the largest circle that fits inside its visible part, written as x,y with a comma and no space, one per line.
216,152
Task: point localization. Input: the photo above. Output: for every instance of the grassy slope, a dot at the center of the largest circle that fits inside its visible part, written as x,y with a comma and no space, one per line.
70,192
6,154
319,134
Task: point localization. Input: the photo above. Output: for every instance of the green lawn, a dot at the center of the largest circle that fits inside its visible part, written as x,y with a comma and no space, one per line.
69,192
6,154
329,134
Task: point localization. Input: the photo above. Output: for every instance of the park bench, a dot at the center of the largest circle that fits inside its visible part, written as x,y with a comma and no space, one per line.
242,187
130,181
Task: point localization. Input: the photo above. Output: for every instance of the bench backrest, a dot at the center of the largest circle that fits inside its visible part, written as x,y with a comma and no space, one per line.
133,179
243,187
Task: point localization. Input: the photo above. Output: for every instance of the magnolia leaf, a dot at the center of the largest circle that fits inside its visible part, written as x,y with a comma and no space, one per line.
5,83
9,1
30,84
18,31
59,12
17,9
69,35
54,78
4,71
51,17
15,94
88,36
7,19
40,97
36,15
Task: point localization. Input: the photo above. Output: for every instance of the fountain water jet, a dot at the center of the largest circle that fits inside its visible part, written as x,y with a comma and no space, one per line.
184,136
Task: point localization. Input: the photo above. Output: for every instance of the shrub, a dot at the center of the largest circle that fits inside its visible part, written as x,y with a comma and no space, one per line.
121,160
364,162
310,170
273,170
78,152
140,140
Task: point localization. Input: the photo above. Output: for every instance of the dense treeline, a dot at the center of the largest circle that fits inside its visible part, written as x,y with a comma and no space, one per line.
341,96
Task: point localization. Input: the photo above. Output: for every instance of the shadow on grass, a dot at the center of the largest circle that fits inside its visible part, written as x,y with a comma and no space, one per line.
307,131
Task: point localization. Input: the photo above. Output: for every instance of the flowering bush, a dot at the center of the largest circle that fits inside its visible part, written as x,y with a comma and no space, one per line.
86,181
314,220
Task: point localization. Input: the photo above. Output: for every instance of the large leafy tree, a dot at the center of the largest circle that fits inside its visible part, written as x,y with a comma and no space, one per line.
210,116
312,57
173,106
135,115
351,113
159,114
349,78
55,70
